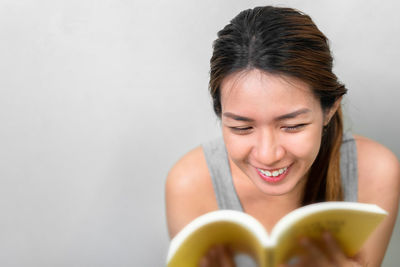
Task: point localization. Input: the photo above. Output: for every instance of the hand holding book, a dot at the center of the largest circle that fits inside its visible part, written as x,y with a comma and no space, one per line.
325,253
349,223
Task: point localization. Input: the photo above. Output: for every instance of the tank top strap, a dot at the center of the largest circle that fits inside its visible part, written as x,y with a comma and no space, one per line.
218,166
348,168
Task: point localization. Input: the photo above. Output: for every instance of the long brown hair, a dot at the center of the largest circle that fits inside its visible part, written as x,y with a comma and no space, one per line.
286,41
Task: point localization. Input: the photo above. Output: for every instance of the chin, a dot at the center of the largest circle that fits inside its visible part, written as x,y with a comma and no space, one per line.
280,191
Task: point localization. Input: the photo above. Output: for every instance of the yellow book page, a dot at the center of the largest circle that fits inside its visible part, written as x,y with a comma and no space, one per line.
223,232
349,227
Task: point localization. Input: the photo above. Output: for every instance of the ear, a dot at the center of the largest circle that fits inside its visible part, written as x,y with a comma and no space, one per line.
330,112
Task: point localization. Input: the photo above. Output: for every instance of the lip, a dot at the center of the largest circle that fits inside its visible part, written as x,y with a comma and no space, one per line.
273,179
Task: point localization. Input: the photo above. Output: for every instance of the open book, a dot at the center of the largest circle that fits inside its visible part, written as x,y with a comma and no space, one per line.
350,223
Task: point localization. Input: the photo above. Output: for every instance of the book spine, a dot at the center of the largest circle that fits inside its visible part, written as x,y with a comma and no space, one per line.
270,258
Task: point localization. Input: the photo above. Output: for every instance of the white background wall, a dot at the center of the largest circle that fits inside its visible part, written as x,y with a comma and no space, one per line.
99,98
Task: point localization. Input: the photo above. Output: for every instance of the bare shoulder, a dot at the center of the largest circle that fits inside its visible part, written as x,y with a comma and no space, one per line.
378,168
378,183
189,191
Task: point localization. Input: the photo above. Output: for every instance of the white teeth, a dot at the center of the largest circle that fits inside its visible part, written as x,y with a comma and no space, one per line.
274,173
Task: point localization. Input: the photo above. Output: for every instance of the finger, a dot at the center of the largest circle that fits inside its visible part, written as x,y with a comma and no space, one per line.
313,250
226,256
333,249
217,256
209,259
204,261
314,255
308,261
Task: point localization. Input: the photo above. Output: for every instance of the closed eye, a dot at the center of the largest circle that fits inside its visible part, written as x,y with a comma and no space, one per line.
294,128
241,130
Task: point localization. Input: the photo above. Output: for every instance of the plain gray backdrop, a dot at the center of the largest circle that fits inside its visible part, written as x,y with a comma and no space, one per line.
100,98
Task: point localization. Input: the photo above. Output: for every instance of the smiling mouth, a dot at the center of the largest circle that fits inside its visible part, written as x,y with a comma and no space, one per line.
273,176
274,173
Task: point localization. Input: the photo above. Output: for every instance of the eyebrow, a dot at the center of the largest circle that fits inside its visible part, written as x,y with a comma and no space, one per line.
294,114
290,115
237,117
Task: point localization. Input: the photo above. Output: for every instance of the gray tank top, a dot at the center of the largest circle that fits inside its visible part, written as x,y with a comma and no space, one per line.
227,198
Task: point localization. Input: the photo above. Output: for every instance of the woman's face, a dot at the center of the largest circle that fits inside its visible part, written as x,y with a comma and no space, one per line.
272,126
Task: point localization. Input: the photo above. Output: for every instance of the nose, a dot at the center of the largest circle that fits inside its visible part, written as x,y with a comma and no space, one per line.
268,149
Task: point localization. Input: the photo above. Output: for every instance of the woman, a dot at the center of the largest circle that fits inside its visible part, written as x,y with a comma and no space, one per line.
273,88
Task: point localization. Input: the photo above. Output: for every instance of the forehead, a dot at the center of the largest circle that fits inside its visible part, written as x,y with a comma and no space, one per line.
255,88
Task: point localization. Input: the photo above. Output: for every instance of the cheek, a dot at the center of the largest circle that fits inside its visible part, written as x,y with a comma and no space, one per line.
237,147
305,145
